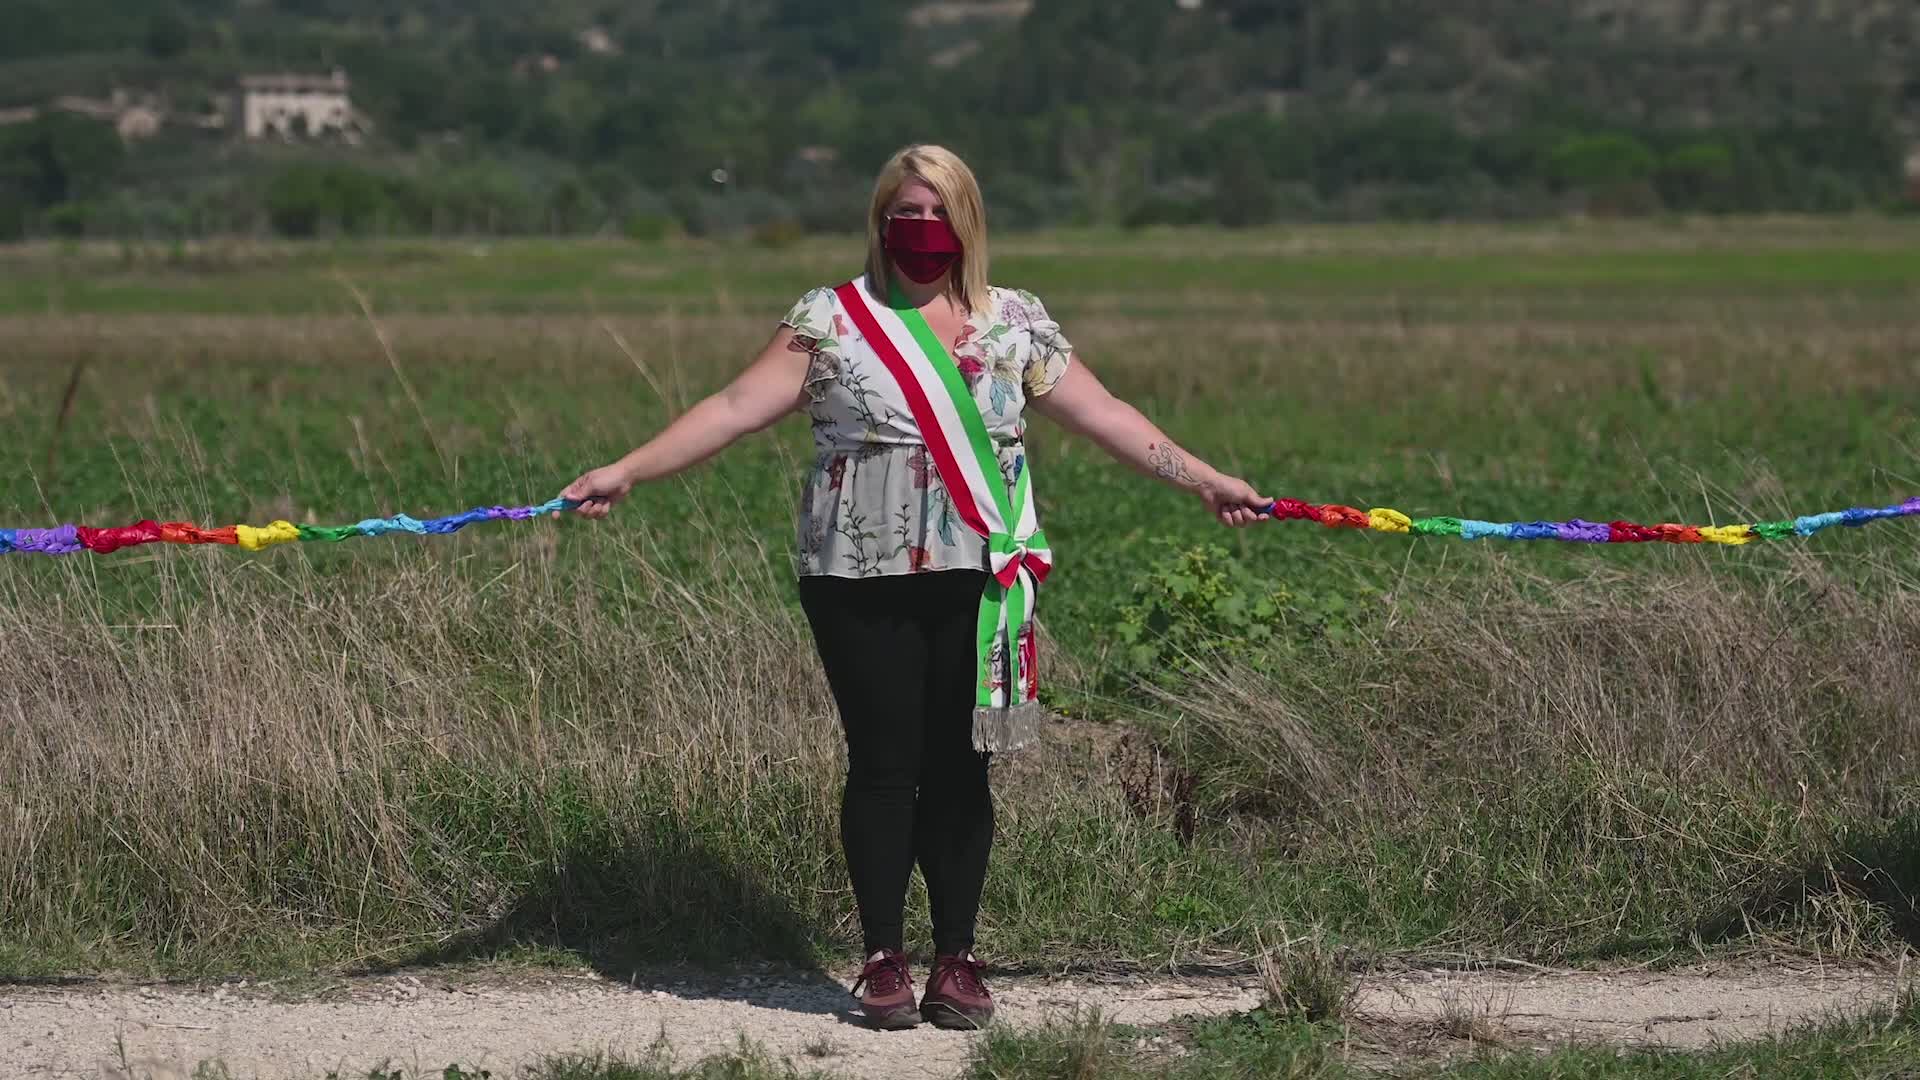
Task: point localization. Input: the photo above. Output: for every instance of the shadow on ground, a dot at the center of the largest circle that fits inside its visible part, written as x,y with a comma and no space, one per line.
662,909
1881,867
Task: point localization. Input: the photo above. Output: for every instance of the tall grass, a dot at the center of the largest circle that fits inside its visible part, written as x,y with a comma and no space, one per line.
1669,760
424,761
385,762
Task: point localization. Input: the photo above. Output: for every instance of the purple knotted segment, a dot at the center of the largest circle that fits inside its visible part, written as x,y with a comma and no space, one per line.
60,540
1585,532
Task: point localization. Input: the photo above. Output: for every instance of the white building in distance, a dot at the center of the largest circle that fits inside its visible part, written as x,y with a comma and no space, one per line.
293,106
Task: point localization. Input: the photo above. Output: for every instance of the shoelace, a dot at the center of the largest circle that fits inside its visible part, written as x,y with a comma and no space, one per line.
966,974
885,975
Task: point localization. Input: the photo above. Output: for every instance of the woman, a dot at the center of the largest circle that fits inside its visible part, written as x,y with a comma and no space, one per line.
920,554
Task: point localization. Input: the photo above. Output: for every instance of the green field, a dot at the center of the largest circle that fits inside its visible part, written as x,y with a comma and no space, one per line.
610,743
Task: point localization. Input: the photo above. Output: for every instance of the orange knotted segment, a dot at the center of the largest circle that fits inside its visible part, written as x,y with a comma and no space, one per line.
1335,516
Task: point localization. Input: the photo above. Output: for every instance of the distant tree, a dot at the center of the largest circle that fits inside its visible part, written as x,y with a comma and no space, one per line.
296,202
1592,162
572,206
493,106
168,34
1242,189
1401,147
70,220
59,157
1517,156
303,199
610,185
30,28
566,119
1696,175
407,91
1611,173
13,216
845,33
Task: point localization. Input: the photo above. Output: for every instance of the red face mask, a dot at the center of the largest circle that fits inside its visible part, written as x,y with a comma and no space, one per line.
923,248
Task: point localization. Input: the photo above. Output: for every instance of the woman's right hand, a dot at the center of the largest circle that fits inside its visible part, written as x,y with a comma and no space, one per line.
596,491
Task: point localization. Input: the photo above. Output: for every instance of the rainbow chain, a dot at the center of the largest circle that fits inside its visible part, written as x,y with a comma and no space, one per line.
68,539
1582,532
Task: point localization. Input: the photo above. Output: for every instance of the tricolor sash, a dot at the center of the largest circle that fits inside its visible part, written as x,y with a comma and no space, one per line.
936,395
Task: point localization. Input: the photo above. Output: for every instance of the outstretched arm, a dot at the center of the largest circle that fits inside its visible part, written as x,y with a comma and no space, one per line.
1082,405
769,389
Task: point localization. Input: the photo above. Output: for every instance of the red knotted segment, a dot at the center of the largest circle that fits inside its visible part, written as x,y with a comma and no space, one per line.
113,539
1294,510
1627,532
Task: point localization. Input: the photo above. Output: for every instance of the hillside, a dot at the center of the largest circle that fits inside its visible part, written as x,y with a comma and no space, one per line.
1163,109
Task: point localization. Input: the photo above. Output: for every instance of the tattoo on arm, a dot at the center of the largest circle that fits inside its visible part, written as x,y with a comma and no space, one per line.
1169,464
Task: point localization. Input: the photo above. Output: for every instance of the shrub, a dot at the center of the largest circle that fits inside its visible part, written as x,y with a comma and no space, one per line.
1696,175
646,227
782,233
1243,193
1200,606
13,218
304,198
1613,172
1189,203
70,220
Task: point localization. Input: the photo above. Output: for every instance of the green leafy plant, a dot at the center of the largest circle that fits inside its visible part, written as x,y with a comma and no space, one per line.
1199,605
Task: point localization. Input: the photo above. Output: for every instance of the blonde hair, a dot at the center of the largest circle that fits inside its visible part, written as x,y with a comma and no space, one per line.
949,177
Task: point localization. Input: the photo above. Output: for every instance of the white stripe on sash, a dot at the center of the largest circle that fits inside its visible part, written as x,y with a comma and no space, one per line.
940,400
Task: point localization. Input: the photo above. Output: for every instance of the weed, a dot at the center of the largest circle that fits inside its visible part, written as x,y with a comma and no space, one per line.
1307,981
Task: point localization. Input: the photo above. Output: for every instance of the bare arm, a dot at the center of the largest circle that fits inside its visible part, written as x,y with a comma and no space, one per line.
760,396
1081,404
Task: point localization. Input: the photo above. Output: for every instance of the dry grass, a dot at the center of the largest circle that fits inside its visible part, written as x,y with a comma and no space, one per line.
1477,1018
1307,980
1568,756
294,751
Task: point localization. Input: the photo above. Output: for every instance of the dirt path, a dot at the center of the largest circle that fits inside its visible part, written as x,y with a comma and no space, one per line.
430,1019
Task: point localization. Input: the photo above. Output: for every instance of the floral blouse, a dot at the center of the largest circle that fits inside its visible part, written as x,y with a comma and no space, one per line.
873,503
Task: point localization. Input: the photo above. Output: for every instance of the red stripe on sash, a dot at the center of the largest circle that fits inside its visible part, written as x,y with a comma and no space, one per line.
958,492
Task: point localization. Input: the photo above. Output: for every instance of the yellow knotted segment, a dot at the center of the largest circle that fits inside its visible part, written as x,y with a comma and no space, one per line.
1389,521
1726,534
253,539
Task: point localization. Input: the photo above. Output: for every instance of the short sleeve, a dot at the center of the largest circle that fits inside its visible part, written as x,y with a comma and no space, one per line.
812,318
1052,352
815,333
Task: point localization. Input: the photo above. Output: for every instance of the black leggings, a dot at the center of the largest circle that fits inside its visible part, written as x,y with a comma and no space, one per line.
899,655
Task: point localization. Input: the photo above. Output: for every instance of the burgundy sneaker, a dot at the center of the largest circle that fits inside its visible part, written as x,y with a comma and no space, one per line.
888,1002
956,994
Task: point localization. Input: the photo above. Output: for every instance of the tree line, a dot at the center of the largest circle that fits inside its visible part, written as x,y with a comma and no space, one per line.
713,116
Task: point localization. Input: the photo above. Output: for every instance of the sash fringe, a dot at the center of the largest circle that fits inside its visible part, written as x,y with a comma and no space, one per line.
998,731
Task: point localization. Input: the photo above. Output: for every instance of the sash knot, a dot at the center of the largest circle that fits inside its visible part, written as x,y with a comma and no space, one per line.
1008,555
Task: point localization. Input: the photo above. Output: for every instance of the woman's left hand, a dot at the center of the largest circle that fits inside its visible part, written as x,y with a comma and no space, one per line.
1234,501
